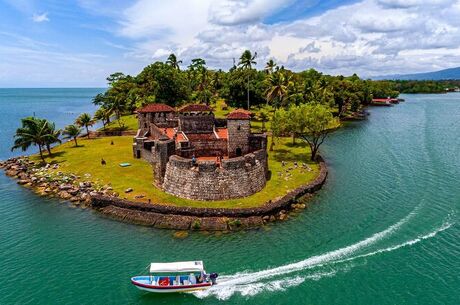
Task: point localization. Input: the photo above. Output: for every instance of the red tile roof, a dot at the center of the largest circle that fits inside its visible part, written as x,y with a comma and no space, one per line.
195,108
239,114
222,133
180,137
170,132
156,108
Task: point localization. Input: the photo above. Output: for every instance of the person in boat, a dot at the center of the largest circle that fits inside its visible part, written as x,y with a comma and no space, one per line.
200,278
164,281
192,279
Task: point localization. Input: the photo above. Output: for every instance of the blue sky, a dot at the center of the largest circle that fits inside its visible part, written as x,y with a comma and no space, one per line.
53,43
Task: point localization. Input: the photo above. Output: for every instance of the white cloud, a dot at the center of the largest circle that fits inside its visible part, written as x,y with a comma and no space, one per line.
40,17
369,37
231,12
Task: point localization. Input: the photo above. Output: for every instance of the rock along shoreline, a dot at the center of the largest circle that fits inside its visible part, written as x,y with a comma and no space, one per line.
49,181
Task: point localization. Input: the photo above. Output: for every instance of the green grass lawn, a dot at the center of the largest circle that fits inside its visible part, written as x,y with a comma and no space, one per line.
129,121
221,110
86,159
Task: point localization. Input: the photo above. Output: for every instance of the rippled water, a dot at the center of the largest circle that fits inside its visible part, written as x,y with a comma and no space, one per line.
384,230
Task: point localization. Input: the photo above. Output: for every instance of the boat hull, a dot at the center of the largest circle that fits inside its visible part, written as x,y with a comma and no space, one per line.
170,288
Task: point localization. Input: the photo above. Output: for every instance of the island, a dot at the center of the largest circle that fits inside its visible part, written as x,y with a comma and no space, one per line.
179,151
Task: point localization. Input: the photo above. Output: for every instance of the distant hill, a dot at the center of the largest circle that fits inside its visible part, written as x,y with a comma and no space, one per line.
447,74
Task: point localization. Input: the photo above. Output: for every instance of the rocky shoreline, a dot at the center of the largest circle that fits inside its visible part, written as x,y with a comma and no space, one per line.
80,191
48,181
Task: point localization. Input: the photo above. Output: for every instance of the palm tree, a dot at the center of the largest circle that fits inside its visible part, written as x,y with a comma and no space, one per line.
246,62
33,132
103,115
278,85
53,136
173,62
270,66
85,120
71,132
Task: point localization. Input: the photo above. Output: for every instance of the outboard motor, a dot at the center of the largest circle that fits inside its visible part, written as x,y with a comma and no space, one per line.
213,277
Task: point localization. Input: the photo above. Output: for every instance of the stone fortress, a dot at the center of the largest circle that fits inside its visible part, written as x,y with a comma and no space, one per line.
197,156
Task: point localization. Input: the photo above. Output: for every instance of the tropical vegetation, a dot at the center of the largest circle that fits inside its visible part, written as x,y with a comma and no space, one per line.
72,132
85,120
38,132
243,86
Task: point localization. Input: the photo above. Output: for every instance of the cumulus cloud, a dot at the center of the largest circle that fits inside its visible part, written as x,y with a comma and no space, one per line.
40,17
370,37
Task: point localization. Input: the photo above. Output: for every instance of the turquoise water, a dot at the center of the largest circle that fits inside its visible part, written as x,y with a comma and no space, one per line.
384,229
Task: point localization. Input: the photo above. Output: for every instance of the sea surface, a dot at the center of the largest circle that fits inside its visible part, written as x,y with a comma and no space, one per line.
383,230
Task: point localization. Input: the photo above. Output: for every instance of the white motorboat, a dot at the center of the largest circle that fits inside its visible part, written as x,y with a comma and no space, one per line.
175,277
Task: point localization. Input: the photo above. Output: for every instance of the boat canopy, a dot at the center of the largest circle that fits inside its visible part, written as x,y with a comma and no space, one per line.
194,266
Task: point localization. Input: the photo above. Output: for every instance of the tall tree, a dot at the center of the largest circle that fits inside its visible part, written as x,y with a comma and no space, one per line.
277,88
173,62
99,99
72,132
247,59
102,114
314,124
270,66
197,64
278,125
113,78
34,131
85,120
54,135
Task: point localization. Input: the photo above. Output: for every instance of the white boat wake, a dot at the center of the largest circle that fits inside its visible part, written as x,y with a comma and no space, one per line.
250,283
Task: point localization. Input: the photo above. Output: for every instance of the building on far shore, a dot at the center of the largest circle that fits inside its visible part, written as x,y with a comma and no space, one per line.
196,156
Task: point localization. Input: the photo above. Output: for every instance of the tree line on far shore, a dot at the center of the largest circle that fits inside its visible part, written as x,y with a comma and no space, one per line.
242,86
43,133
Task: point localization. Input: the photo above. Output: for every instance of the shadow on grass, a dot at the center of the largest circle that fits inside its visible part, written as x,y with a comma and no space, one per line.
78,146
298,143
289,156
56,154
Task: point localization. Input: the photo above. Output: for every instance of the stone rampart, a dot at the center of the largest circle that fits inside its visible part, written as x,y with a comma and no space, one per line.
182,218
235,178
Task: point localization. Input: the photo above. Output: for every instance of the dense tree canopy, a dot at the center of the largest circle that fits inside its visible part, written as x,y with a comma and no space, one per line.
279,87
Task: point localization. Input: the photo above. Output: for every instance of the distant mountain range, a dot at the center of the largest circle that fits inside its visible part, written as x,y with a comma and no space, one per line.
447,74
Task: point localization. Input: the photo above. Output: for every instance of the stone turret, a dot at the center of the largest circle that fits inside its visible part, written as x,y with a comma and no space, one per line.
196,118
239,131
159,114
163,149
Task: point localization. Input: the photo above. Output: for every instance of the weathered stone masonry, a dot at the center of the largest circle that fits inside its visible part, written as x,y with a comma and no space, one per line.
237,177
197,157
183,218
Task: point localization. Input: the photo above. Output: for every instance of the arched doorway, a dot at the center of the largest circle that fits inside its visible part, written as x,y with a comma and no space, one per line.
238,152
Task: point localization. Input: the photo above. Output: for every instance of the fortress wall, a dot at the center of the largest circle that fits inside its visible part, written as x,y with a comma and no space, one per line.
238,177
196,123
155,131
210,147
